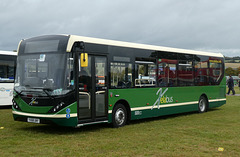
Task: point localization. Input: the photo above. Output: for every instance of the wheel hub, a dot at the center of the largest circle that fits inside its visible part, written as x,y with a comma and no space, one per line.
120,116
202,105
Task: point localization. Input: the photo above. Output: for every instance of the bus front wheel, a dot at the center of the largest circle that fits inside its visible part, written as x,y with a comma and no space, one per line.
119,116
202,105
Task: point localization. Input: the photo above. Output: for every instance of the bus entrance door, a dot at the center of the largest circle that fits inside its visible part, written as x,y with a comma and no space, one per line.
92,104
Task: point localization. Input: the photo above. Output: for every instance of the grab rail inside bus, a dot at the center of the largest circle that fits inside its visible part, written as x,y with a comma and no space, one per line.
99,92
89,98
144,82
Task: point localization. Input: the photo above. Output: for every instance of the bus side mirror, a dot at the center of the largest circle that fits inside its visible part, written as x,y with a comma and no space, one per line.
84,59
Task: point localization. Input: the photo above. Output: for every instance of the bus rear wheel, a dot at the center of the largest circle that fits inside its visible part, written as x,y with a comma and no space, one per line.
202,104
119,116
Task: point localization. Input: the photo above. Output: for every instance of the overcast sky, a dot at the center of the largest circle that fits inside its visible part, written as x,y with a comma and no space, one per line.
209,25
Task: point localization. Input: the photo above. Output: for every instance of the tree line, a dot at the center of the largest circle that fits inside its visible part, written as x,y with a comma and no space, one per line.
231,71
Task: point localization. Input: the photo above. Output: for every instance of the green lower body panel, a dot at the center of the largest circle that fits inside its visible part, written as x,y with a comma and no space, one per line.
139,114
216,103
162,110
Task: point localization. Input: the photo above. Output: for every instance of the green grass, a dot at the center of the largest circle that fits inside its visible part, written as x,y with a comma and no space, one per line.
237,90
189,134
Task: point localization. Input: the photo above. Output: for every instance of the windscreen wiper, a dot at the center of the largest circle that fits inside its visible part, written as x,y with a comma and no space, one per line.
45,90
20,93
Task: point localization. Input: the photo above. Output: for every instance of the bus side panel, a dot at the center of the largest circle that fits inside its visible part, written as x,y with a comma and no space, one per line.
148,102
162,111
216,104
6,93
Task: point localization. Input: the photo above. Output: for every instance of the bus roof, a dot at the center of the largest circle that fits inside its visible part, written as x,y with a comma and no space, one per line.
8,53
74,38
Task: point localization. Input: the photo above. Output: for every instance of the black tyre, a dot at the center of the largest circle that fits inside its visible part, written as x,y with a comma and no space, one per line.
119,116
202,104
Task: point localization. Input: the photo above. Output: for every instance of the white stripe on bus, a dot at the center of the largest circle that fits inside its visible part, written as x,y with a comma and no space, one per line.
44,115
170,105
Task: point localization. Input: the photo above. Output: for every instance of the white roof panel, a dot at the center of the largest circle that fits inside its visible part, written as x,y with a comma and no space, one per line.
74,38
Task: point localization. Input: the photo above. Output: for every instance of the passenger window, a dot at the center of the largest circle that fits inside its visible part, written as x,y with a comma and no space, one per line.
185,73
6,71
121,75
145,73
167,73
201,73
215,71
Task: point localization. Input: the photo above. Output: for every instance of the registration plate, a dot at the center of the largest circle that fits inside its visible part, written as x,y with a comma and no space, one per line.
33,120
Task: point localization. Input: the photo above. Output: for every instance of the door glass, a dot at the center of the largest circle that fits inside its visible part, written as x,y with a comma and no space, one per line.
100,74
85,91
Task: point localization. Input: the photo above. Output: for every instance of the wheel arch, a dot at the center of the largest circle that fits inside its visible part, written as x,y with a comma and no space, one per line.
127,106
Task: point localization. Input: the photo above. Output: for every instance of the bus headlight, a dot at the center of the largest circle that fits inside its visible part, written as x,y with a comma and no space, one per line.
57,108
15,105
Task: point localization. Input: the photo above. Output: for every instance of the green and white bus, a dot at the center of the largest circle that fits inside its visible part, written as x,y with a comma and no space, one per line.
75,81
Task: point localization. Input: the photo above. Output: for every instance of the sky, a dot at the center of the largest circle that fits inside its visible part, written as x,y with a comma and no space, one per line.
207,25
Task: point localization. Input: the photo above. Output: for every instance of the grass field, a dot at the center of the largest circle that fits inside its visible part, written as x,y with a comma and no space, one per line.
189,134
